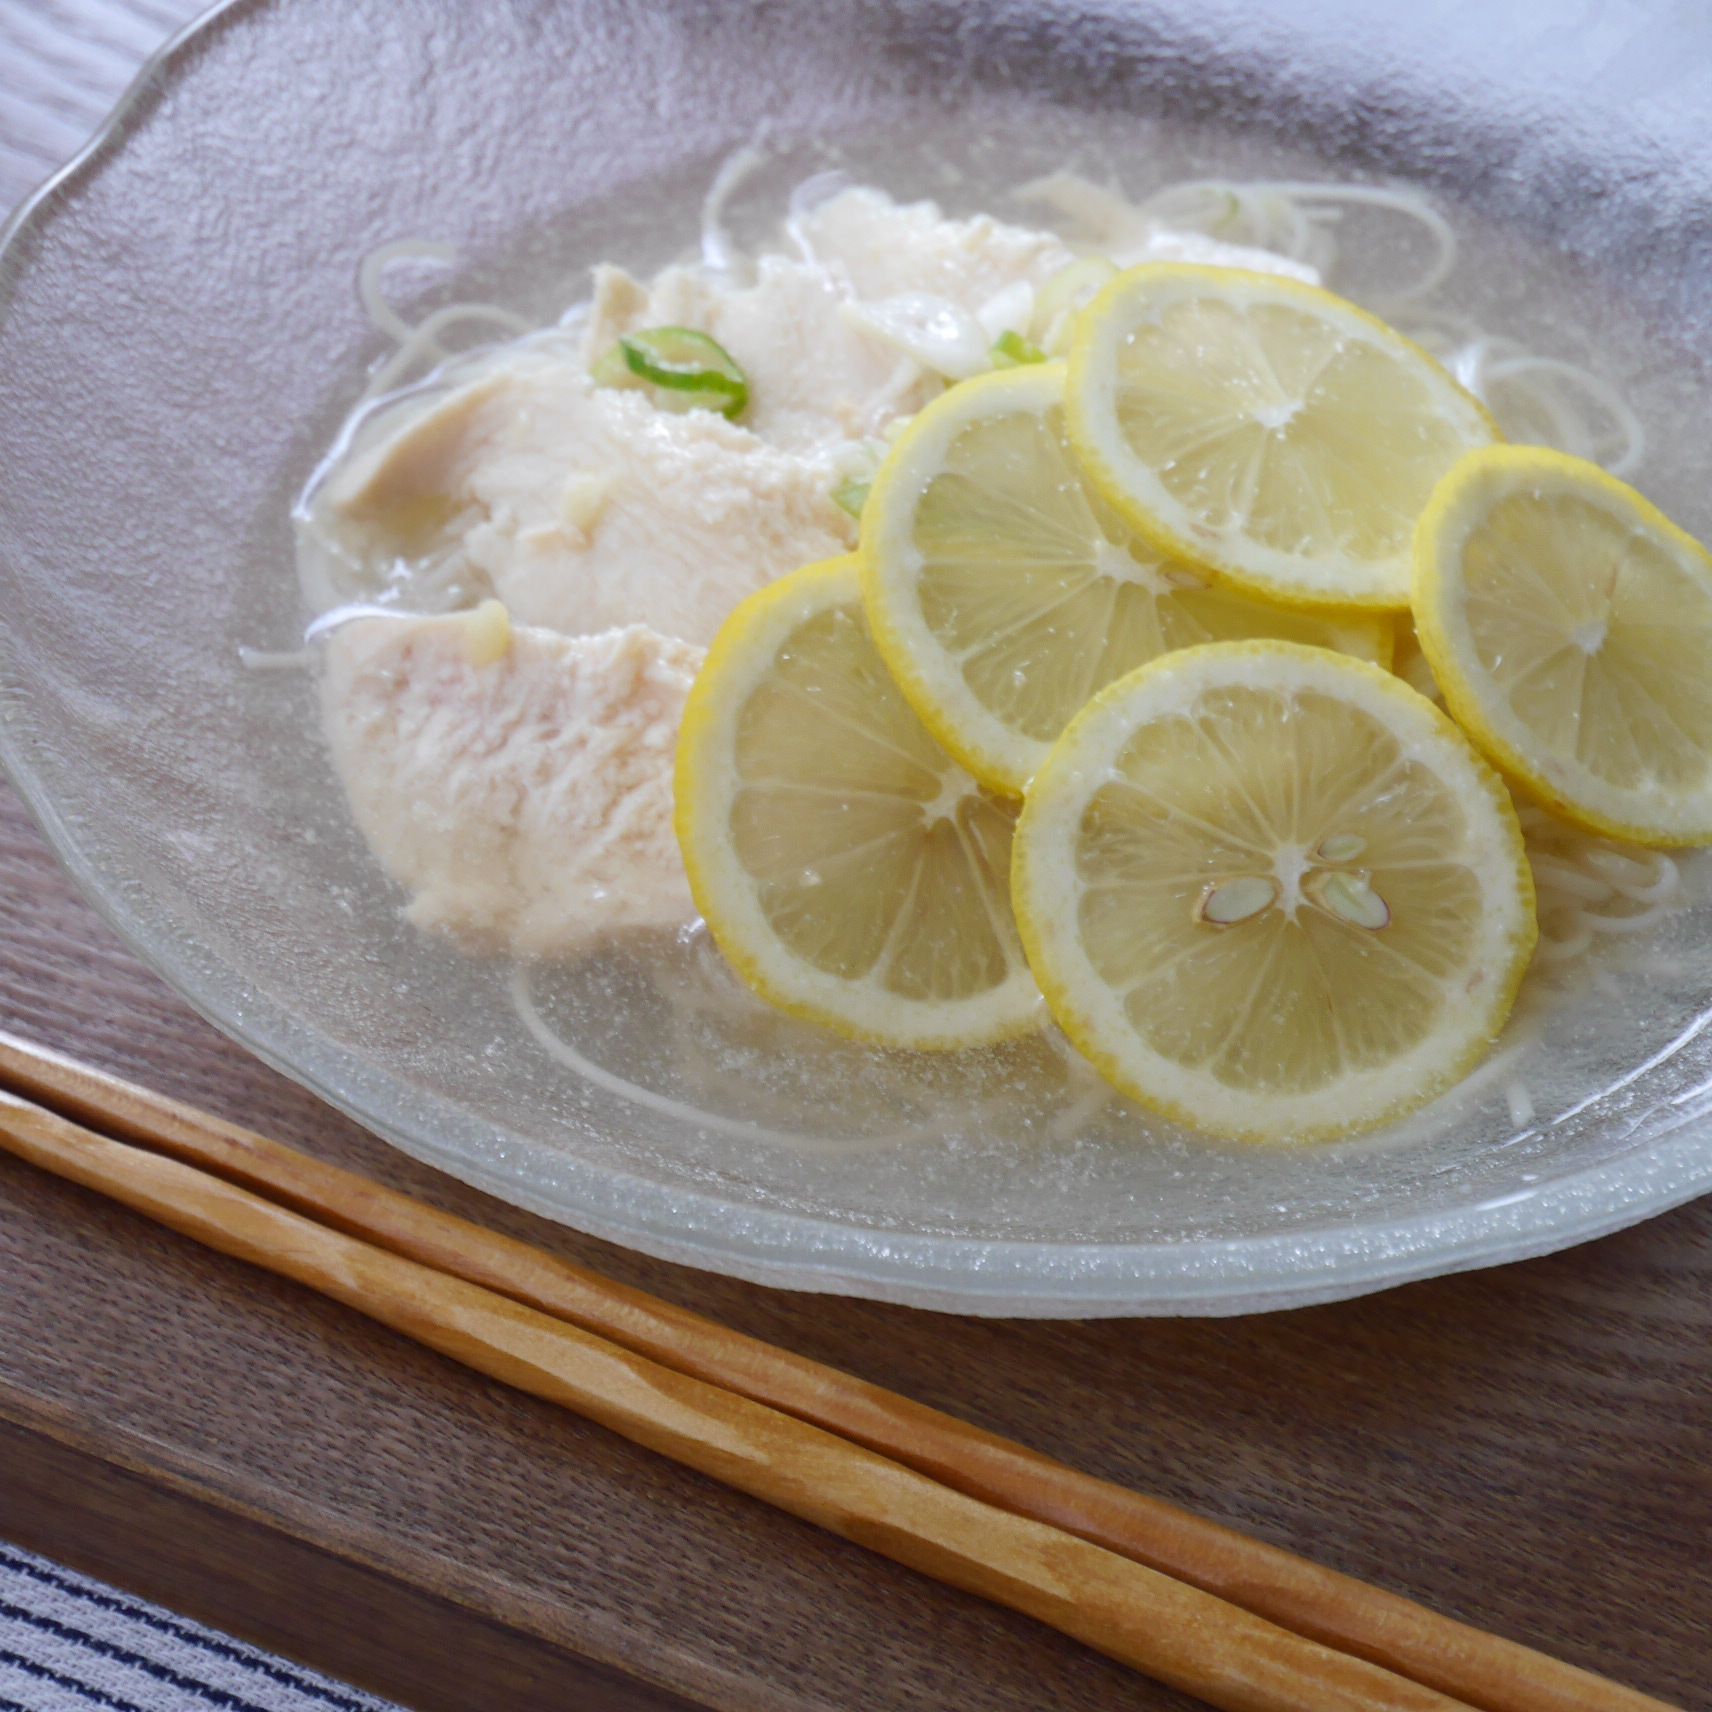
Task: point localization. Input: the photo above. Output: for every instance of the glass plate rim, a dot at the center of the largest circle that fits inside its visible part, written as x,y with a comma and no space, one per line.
962,1274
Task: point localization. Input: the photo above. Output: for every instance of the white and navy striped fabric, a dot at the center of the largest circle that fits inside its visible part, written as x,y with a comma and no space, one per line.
69,1644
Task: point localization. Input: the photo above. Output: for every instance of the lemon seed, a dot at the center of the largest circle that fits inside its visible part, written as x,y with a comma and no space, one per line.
1340,847
1349,899
1226,902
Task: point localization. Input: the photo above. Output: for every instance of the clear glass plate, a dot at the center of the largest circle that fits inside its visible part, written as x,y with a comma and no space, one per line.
180,335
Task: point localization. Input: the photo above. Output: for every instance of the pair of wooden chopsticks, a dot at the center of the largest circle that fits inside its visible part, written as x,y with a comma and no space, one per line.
1241,1624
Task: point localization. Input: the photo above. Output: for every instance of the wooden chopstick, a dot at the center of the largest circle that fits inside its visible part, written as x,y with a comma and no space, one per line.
1475,1668
1184,1637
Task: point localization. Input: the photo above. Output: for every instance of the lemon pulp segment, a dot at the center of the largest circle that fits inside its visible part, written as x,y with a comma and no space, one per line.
1004,590
1409,662
848,869
1265,428
1569,623
1272,892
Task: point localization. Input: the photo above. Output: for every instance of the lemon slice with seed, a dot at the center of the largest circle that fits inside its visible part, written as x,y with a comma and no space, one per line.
850,871
1004,591
1569,624
1265,428
1271,892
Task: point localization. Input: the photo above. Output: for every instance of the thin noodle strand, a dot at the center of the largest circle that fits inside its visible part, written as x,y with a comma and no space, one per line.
370,280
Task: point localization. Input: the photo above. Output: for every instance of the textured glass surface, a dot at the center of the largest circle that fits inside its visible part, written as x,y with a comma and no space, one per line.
180,335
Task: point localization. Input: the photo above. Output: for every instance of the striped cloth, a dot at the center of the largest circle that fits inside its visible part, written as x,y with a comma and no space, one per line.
69,1644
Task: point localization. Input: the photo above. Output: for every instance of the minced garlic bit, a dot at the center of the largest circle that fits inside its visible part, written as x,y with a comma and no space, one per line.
487,633
584,497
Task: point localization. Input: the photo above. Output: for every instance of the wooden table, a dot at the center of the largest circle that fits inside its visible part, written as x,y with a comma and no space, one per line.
1530,1449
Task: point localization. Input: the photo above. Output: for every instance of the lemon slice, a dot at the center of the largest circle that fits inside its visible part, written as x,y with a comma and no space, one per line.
1265,428
1409,662
850,871
1271,892
1004,592
1569,624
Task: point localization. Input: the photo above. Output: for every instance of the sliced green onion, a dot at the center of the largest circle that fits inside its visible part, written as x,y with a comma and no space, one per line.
610,369
1012,350
1230,215
851,496
692,371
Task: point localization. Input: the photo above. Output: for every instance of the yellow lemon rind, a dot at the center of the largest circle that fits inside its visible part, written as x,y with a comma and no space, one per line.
703,786
1002,760
1092,370
1448,656
1056,800
1000,757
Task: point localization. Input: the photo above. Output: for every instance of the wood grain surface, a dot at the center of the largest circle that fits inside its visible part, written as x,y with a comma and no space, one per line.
1527,1449
288,1595
1524,1448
